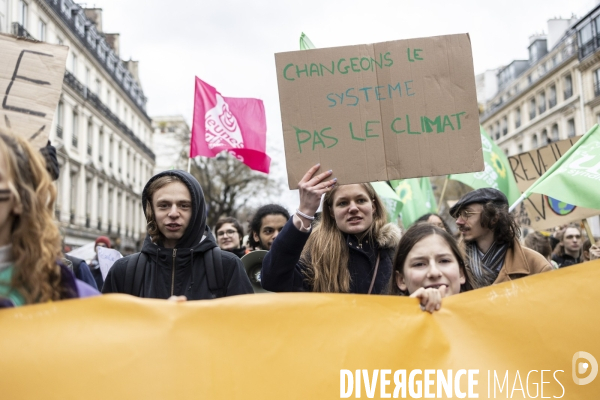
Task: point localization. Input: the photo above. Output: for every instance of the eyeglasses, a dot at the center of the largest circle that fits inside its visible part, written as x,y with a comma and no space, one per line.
228,232
464,214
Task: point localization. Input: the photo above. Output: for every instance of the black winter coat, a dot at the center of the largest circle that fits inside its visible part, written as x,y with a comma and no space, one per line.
181,271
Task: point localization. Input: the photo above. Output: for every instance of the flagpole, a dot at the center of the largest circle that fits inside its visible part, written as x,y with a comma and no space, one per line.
588,230
443,193
519,201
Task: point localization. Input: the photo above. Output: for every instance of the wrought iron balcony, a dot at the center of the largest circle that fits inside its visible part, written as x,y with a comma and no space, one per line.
20,31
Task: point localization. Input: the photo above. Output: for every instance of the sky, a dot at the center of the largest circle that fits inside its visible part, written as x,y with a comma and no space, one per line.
230,44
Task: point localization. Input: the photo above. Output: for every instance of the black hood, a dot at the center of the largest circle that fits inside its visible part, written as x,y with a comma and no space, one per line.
197,227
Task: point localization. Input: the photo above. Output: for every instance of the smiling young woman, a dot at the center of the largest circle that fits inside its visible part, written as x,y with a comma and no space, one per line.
349,250
428,265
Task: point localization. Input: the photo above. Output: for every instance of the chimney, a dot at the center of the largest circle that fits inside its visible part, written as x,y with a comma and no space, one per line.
95,16
133,67
556,30
112,39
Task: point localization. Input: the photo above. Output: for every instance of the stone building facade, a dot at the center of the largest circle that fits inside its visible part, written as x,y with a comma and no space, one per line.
100,129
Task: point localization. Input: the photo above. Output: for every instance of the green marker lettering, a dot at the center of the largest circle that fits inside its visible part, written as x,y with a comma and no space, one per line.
369,65
408,55
314,69
388,57
353,65
317,139
393,126
446,123
426,124
352,134
335,141
285,72
367,129
416,54
331,71
408,127
298,70
342,70
458,118
300,142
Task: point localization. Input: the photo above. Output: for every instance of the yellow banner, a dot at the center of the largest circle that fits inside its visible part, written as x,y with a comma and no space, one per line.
537,337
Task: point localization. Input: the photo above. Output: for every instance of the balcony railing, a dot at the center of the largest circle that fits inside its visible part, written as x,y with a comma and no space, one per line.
73,16
59,131
74,83
19,30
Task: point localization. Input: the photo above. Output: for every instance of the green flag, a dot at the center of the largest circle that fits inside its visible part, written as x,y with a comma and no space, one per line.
305,43
575,177
417,198
497,173
390,199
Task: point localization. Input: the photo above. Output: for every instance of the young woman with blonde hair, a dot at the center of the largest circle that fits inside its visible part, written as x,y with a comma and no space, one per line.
30,243
350,250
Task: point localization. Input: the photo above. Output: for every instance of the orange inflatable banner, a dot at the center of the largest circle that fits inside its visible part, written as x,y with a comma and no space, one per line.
537,337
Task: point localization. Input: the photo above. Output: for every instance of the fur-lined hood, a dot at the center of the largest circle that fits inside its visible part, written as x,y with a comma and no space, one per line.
389,236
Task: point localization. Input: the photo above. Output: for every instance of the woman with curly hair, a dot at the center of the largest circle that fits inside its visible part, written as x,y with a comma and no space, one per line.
349,250
30,243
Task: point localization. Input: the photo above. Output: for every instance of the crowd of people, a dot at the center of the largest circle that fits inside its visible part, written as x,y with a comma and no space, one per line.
347,247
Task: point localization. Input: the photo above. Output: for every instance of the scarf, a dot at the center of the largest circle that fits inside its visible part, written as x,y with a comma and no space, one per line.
485,268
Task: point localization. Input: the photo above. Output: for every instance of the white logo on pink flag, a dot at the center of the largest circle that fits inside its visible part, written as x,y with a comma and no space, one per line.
222,128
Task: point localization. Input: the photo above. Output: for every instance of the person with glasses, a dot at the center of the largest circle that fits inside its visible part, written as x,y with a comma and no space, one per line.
568,251
491,239
230,235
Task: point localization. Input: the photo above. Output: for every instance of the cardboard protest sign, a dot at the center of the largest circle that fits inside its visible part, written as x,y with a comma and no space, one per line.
106,259
540,211
31,77
381,111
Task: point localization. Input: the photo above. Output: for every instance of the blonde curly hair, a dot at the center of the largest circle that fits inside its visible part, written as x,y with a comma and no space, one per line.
35,238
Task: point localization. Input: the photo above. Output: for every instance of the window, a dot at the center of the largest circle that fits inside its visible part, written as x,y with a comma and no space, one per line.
568,87
74,65
59,119
117,108
571,128
98,87
532,108
517,117
59,41
534,141
108,98
497,130
555,134
552,96
100,145
90,136
544,138
597,82
504,126
23,10
110,149
42,30
75,137
585,40
542,102
520,148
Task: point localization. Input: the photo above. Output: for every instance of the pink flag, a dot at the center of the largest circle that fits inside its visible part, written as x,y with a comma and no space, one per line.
233,124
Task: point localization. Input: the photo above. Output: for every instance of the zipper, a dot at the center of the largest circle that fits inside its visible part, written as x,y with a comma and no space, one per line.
173,272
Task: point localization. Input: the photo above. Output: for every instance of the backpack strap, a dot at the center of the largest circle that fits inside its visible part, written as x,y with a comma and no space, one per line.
213,264
134,274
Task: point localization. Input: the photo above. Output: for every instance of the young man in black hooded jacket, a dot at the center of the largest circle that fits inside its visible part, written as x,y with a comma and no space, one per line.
174,255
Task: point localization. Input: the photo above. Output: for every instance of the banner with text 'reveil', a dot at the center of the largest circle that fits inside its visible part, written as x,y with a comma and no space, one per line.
540,211
382,111
513,340
31,79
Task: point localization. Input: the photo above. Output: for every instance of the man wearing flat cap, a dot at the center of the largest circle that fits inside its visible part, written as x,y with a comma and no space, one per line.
491,238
